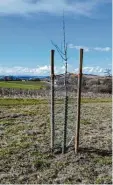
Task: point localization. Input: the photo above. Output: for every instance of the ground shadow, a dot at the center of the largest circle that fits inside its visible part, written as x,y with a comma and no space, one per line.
96,151
101,152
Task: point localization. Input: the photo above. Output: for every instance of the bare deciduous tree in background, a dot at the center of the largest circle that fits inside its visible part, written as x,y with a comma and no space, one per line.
63,53
108,72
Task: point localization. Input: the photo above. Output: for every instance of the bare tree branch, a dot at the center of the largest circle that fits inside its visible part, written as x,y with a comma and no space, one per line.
108,72
63,54
58,49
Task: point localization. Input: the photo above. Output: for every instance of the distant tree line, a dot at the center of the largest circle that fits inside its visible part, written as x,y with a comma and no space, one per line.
11,78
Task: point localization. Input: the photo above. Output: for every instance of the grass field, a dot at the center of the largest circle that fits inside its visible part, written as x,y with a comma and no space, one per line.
20,101
25,156
22,85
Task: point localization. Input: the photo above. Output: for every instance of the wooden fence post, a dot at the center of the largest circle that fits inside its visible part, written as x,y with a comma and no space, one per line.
65,112
79,102
52,101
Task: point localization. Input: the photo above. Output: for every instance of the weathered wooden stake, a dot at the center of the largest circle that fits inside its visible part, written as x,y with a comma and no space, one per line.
65,111
79,102
52,101
65,124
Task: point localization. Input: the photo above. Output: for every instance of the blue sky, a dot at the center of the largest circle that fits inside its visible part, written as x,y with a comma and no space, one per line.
28,26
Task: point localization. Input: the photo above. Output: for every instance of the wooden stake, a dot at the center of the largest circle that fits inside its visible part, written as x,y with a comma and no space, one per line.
65,124
52,101
79,102
65,111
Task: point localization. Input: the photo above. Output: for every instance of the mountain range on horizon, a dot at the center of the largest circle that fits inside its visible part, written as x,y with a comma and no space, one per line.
40,77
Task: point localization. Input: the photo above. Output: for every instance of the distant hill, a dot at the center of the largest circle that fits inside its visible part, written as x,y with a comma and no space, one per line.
23,77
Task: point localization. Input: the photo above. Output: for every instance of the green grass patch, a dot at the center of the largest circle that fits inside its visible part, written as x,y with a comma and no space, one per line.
20,101
14,129
14,148
39,155
96,100
85,122
103,160
7,122
22,85
104,180
41,160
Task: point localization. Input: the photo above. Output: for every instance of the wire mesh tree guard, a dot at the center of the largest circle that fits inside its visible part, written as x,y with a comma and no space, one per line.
77,130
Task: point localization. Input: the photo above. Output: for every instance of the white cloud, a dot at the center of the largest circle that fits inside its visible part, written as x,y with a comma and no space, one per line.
71,46
24,7
24,70
87,49
92,70
39,70
102,49
45,70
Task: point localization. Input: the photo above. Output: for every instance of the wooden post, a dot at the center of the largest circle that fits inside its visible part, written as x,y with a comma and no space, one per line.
66,112
79,102
65,125
52,101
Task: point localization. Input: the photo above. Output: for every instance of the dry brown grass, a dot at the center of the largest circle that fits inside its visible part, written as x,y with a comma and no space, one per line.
25,144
